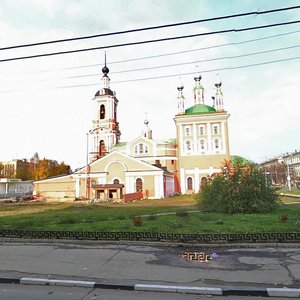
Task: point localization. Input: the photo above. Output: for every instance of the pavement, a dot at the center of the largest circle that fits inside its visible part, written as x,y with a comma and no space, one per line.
255,270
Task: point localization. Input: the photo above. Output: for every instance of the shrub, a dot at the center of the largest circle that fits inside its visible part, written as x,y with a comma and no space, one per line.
283,218
238,189
137,221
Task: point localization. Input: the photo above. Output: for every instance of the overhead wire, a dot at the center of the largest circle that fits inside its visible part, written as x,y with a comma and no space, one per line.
184,74
167,54
151,28
149,41
185,51
188,63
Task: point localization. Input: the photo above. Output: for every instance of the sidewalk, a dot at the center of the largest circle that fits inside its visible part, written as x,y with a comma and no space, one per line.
146,266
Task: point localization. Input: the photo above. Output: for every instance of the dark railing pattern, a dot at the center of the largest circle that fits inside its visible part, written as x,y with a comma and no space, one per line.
207,238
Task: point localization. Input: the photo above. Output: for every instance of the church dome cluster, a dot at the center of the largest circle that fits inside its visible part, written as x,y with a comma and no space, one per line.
199,106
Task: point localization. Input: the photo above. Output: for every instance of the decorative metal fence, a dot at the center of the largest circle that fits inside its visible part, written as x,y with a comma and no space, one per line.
205,238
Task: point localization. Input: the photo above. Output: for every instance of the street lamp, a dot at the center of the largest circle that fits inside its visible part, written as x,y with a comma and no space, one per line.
287,170
288,176
87,163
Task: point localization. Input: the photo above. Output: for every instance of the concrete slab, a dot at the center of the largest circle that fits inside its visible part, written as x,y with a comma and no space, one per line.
295,270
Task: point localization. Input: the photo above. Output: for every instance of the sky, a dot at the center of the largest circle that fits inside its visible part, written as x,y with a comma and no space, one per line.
46,103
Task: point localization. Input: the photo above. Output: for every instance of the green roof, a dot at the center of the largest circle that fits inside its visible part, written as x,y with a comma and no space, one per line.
199,109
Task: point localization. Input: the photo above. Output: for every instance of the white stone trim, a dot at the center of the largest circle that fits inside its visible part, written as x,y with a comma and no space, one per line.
77,187
182,180
55,178
159,186
157,157
115,161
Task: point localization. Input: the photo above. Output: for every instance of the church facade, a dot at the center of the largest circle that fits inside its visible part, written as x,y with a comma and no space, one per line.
144,167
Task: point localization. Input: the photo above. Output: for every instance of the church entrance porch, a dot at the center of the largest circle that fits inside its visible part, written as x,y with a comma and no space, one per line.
108,192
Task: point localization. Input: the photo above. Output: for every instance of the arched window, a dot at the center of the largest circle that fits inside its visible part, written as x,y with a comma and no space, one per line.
189,182
138,185
188,145
202,144
141,148
102,111
217,144
102,148
116,181
187,131
203,182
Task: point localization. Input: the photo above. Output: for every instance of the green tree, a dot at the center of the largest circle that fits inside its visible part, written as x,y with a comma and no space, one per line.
239,188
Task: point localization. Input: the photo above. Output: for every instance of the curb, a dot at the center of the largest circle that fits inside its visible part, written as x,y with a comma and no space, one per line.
262,292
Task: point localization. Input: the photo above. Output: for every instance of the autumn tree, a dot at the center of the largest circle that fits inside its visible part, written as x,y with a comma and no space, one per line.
48,168
239,188
1,170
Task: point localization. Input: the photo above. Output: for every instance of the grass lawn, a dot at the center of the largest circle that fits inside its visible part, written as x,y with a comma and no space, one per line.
79,216
294,192
289,199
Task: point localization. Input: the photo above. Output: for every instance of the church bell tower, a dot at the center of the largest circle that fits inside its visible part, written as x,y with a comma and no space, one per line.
105,131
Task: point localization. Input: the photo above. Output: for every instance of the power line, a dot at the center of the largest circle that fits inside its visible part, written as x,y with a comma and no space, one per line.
190,73
150,41
152,28
186,51
188,63
170,53
165,76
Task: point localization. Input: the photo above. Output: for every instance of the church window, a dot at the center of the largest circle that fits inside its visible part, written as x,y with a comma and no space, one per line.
203,182
139,185
141,148
102,149
217,144
187,131
102,112
202,144
189,182
216,129
188,145
201,130
116,181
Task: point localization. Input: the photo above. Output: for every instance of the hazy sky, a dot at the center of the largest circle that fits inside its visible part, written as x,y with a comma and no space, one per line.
46,103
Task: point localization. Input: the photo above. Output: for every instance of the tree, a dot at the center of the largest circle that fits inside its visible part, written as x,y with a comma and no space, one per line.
1,170
48,168
238,188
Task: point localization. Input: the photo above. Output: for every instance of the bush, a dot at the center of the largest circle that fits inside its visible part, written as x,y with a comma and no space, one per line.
137,221
238,189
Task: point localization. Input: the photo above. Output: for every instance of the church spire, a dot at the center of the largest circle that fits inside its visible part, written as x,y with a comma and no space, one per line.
219,105
198,91
105,71
148,132
180,100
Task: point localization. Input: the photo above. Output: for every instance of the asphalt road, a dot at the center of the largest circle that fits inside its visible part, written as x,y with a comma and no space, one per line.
23,292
